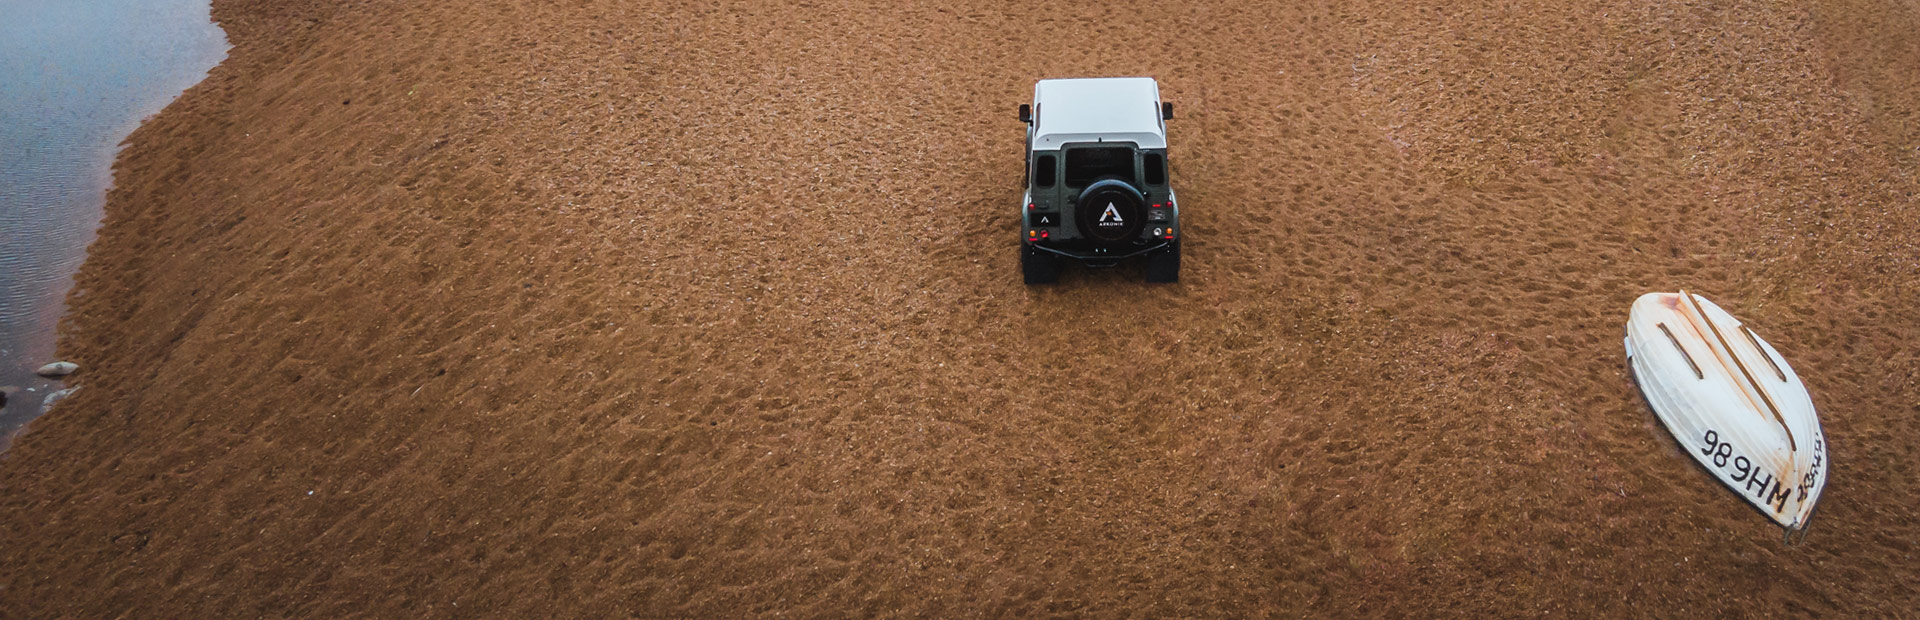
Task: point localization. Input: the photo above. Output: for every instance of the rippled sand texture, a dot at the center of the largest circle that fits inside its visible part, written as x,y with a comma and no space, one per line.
522,309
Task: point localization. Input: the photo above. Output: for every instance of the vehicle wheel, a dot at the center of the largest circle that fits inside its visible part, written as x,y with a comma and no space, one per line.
1037,266
1164,265
1110,211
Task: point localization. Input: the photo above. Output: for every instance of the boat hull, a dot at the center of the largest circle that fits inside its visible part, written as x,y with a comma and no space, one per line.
1731,401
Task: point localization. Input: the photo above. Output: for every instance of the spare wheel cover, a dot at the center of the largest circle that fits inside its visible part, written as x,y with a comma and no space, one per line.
1111,210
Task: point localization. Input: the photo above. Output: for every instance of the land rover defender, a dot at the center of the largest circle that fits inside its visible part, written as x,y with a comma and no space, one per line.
1098,188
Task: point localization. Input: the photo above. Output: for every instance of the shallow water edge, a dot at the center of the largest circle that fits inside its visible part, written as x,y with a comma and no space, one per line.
80,78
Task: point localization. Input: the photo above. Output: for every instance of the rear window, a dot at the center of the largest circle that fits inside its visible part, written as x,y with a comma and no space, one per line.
1084,165
1043,171
1156,169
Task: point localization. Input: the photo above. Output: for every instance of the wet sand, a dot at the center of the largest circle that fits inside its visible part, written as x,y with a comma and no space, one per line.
518,309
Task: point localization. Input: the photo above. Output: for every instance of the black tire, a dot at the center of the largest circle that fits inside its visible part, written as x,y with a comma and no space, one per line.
1038,267
1163,265
1110,211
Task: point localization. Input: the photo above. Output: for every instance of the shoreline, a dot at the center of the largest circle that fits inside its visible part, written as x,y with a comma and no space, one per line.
81,81
595,309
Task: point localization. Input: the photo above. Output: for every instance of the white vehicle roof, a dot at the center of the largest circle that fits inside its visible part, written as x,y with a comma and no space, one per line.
1098,109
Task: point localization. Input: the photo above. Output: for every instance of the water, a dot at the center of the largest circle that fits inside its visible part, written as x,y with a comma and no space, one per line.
76,76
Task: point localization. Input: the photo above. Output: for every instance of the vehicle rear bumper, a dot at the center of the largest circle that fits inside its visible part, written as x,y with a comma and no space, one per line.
1096,252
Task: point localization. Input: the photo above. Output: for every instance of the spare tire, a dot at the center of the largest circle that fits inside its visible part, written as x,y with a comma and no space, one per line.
1110,210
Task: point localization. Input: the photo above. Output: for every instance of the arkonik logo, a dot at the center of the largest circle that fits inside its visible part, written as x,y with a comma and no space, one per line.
1112,214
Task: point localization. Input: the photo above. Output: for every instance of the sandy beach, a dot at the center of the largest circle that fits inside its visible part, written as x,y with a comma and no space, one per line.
642,309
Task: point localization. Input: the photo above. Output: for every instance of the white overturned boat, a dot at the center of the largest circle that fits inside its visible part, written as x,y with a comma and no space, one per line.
1731,401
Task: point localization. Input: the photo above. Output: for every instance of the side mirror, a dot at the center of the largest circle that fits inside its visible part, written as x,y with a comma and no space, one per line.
1026,114
1166,110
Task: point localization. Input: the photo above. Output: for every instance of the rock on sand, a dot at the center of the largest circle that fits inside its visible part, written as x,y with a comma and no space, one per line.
56,397
57,370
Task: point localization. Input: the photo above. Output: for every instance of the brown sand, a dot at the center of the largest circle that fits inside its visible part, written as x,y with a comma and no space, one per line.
594,308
